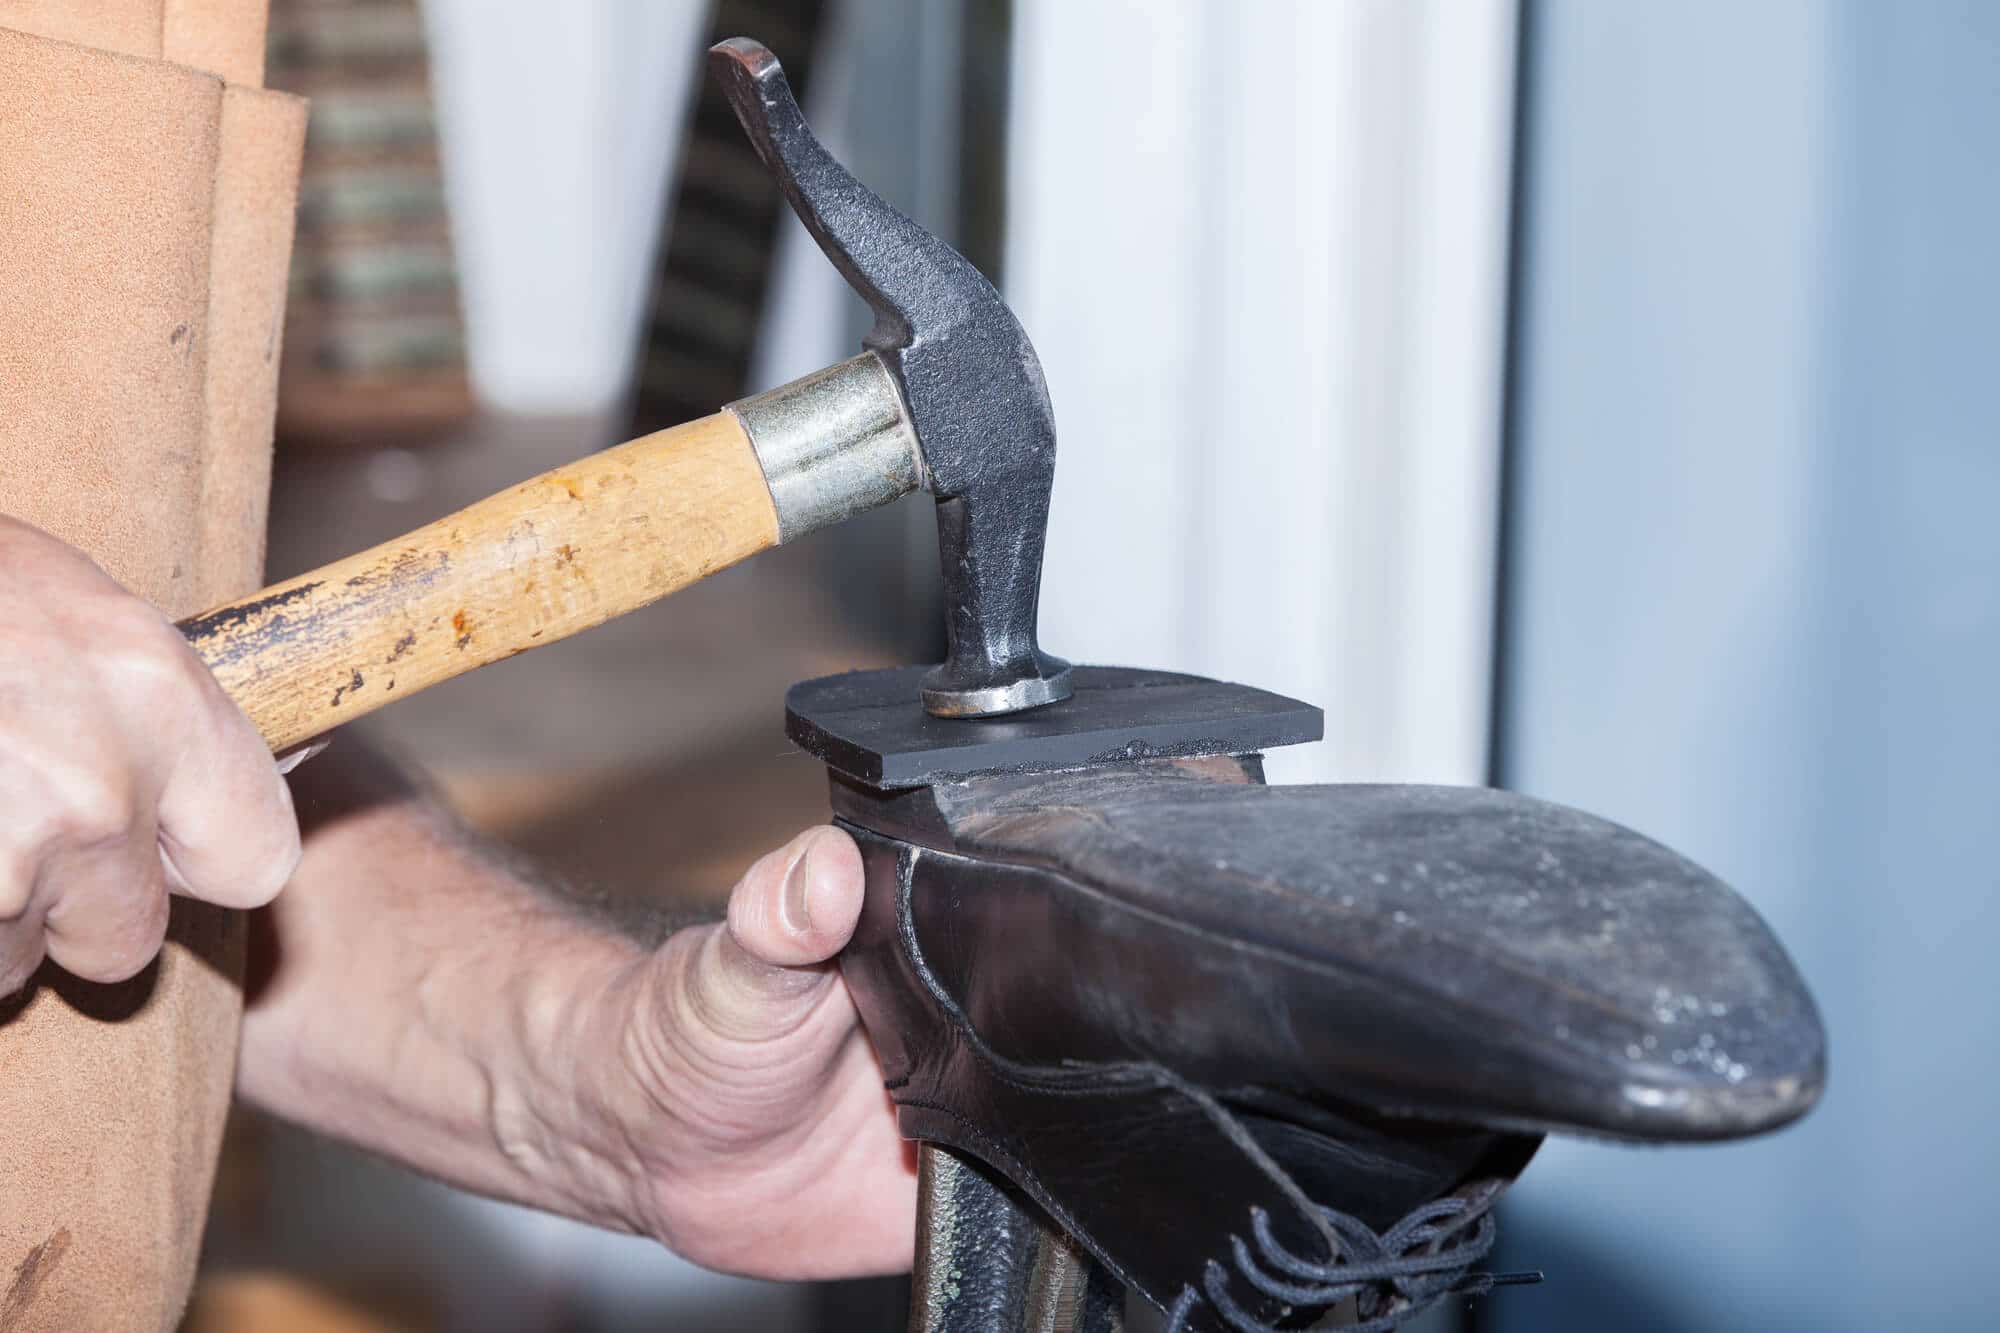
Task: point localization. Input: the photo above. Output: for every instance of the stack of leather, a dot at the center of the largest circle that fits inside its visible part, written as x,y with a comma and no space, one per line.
376,344
147,191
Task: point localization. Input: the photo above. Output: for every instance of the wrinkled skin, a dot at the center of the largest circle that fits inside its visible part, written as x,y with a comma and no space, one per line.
126,774
763,1127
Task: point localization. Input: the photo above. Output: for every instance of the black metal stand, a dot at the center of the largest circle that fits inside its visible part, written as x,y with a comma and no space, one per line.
986,1262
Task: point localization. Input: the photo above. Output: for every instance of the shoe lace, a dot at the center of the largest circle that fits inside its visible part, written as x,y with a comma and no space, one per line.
1392,1276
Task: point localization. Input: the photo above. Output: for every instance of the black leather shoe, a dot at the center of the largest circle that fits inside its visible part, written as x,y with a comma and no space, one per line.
1225,1033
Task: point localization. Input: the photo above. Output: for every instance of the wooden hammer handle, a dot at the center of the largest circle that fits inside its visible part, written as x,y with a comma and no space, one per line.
571,549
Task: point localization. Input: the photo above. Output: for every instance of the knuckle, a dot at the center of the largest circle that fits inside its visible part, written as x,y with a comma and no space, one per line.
78,800
120,618
120,948
18,963
19,869
92,806
148,667
129,951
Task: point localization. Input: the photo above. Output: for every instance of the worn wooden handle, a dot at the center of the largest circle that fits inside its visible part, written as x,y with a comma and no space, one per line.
559,554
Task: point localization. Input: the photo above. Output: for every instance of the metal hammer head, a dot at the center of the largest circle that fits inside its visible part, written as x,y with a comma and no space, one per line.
969,380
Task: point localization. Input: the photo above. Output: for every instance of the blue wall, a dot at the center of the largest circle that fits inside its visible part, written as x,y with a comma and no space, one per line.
1754,610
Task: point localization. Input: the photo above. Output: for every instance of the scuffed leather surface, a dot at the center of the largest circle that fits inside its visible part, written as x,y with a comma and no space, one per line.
1460,953
1150,1172
1158,995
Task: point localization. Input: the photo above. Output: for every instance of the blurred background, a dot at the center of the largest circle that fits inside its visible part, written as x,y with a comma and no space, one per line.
1601,399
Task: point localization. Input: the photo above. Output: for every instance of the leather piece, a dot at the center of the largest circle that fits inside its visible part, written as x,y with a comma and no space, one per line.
220,37
110,174
128,27
107,187
256,191
1085,1145
1456,953
223,37
1159,996
1145,1169
1372,1166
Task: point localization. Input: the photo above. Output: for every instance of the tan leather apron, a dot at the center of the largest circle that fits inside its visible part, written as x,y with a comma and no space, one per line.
145,230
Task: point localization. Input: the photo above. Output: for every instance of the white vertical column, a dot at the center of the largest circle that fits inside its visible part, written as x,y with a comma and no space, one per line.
1107,259
1262,250
557,123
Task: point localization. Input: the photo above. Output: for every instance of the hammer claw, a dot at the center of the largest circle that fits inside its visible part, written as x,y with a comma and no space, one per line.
969,380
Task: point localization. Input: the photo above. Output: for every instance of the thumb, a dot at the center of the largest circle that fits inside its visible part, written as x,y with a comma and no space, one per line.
795,909
798,905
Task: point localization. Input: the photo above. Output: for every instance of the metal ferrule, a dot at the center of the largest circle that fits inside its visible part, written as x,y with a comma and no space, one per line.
832,444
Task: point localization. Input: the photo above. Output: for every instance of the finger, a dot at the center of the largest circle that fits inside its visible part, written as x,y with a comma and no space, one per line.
228,833
20,869
23,907
108,907
20,949
760,976
798,905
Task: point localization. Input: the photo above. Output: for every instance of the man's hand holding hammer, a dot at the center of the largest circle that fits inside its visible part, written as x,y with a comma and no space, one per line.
423,998
126,774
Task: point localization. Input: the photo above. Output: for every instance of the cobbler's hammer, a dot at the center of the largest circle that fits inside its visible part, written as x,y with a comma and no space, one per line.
947,398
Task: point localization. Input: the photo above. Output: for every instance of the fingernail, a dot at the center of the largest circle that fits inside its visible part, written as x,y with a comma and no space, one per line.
798,917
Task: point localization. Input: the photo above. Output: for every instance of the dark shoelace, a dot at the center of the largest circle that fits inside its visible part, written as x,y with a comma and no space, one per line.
1393,1276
